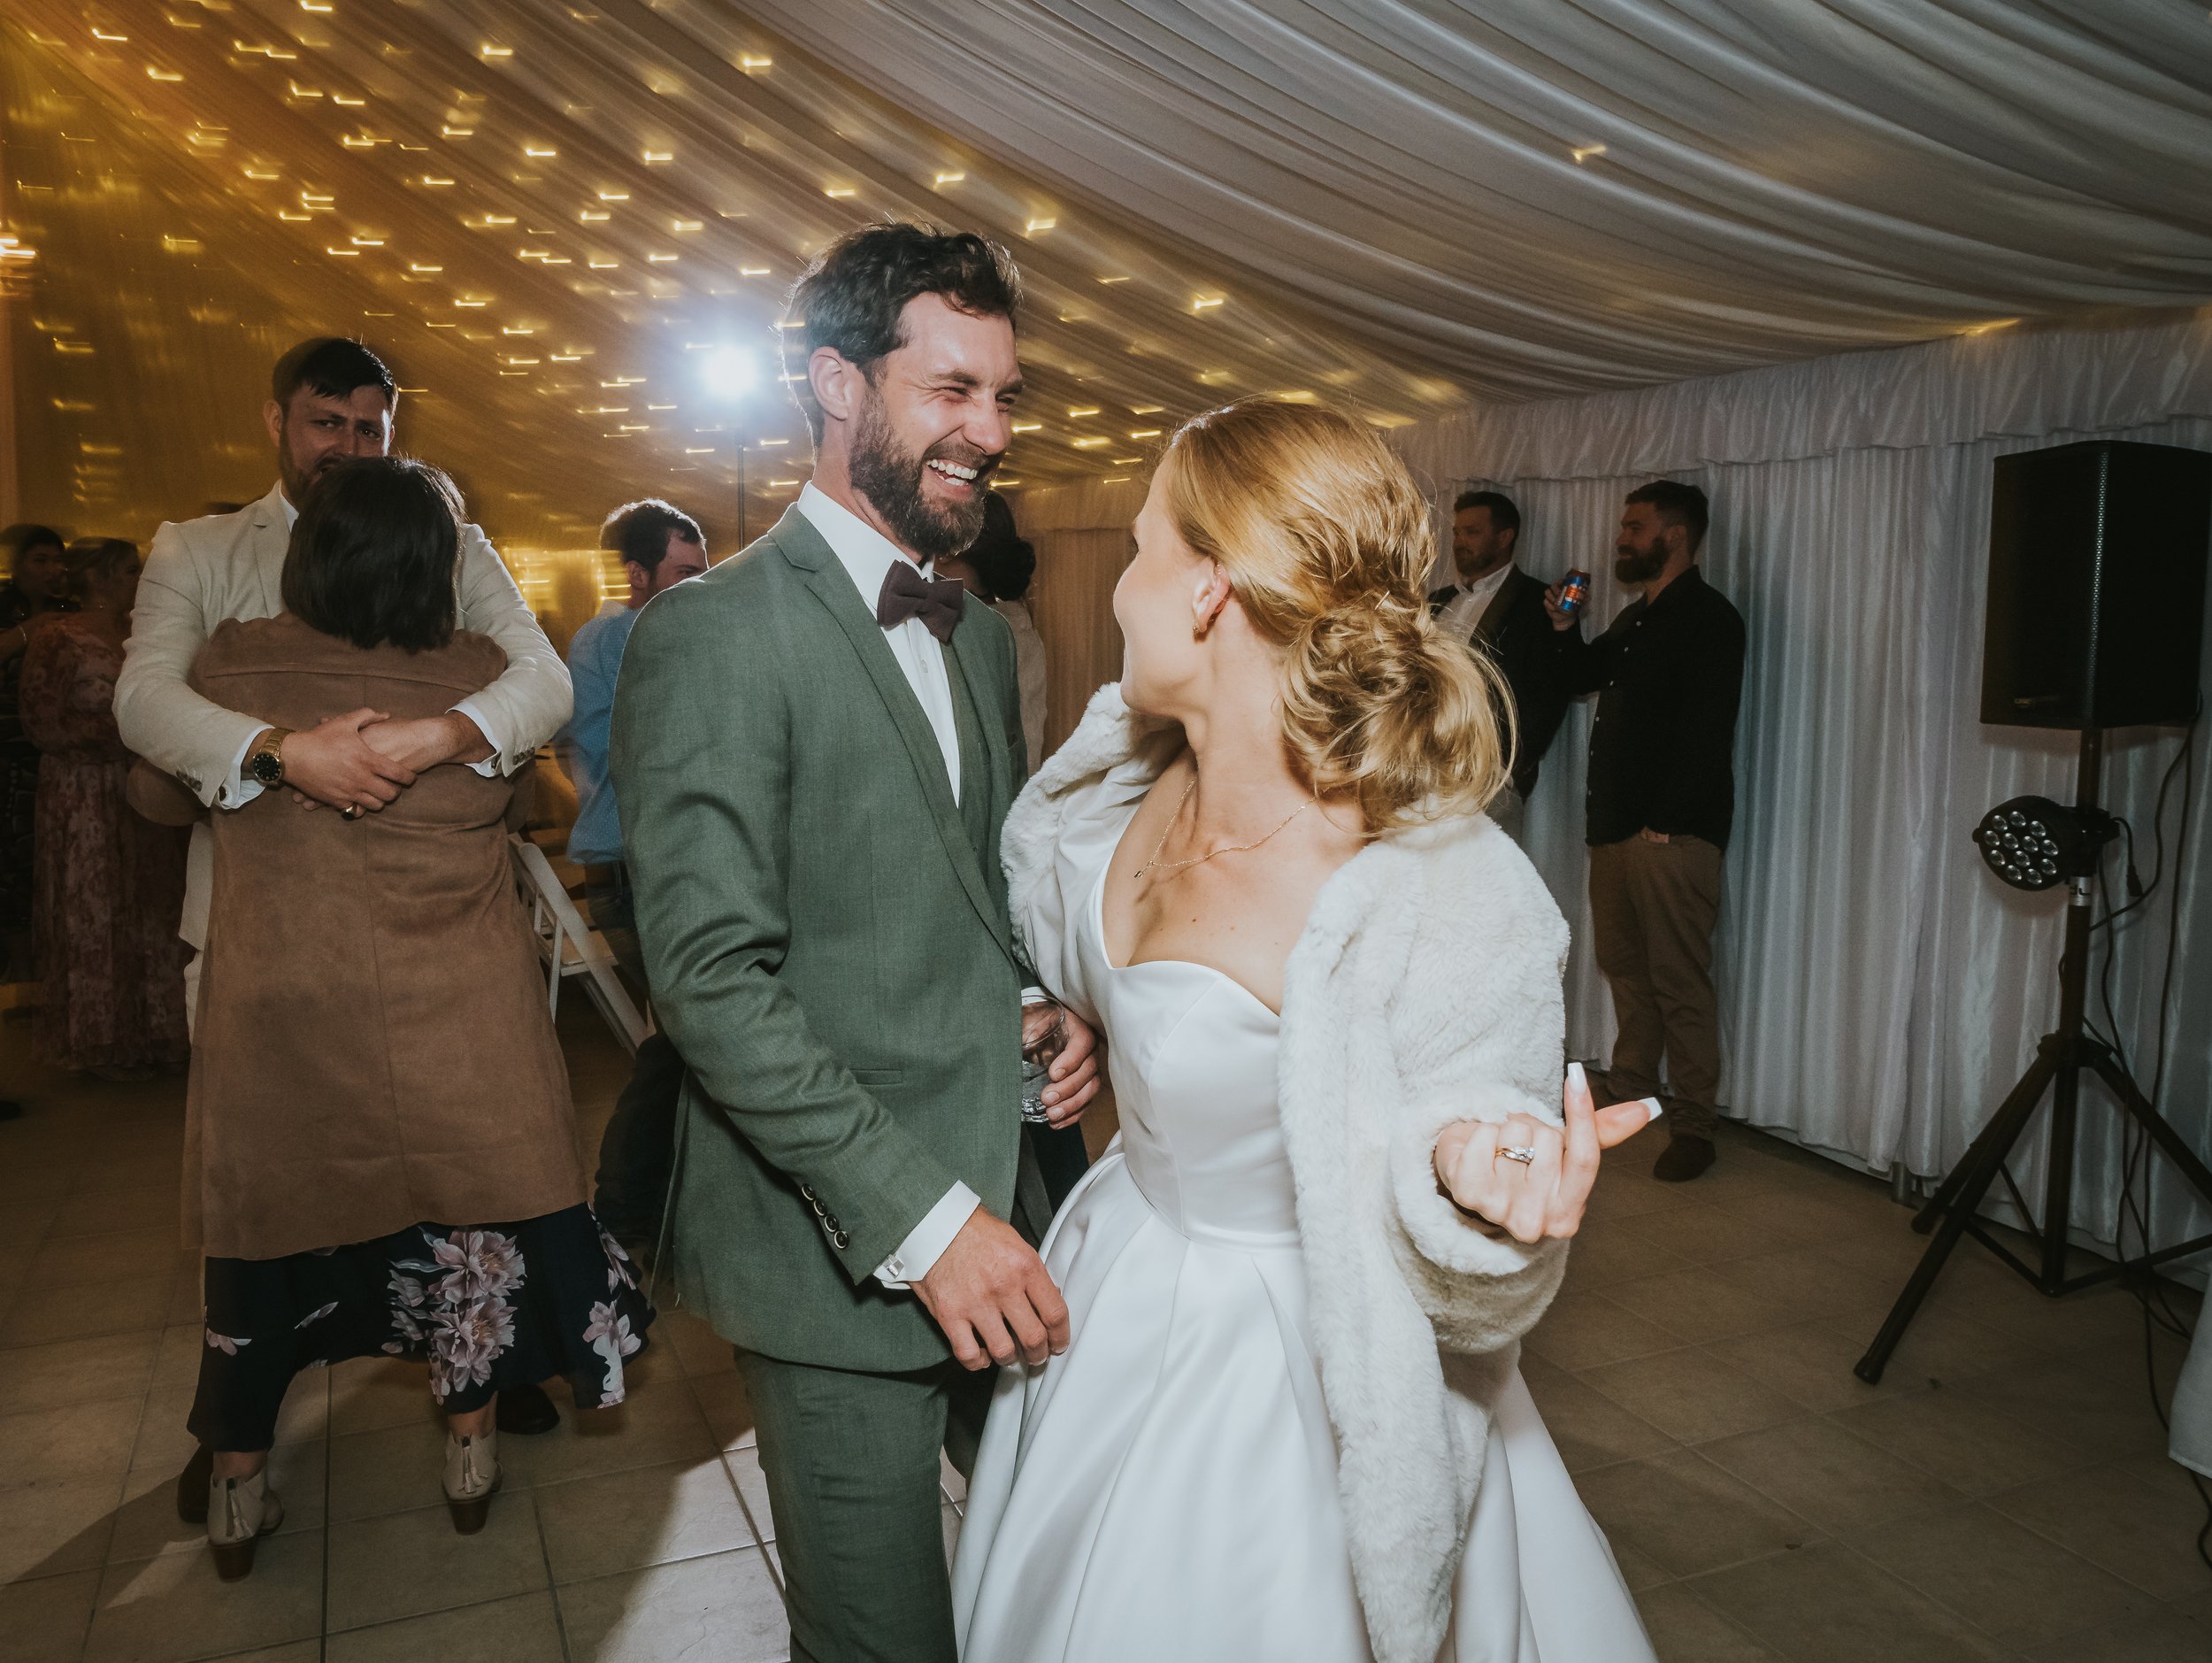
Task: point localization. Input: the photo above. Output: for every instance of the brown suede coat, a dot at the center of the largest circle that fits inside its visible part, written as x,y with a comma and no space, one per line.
373,1048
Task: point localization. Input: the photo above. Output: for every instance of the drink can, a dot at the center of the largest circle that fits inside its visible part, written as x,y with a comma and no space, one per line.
1574,594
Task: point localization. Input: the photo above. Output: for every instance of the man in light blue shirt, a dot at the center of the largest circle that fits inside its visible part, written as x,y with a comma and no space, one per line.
659,546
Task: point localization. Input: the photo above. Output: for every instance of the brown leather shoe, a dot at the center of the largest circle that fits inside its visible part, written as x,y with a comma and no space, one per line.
1685,1158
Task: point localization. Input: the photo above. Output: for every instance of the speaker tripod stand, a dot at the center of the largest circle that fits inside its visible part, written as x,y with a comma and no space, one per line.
2061,1058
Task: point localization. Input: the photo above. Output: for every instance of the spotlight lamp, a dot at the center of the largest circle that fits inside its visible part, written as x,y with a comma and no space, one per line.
2033,843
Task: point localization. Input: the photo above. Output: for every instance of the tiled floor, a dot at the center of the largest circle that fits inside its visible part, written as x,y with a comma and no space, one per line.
2003,1494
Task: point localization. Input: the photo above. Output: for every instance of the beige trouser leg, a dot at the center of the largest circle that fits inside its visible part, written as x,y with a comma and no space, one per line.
1653,907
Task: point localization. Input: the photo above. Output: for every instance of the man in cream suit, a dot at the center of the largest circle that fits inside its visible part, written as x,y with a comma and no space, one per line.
331,399
814,854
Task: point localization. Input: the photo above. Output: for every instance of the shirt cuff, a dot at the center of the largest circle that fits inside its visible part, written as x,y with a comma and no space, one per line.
236,789
926,1242
1036,995
489,766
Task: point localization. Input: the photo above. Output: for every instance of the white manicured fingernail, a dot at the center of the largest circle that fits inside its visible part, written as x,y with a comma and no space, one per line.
1576,1077
1654,1108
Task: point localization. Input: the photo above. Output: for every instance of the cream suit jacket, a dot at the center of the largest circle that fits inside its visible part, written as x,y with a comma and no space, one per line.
200,571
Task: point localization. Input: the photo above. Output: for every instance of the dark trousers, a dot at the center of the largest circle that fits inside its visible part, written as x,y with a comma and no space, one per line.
1652,911
637,1151
1062,1160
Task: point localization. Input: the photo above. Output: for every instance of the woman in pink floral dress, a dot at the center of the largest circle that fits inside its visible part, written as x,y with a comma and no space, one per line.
379,1147
108,885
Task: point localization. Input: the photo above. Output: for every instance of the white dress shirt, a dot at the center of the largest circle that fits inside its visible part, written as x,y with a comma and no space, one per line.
1466,607
866,555
237,790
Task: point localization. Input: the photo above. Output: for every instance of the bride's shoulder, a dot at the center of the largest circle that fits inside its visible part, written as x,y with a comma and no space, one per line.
1459,885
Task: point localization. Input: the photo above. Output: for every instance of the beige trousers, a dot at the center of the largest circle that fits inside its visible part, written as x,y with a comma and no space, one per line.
1652,909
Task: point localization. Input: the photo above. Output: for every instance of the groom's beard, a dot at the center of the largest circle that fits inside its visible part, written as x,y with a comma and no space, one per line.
890,477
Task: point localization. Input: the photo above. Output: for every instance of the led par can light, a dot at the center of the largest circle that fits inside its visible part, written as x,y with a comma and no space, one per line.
2033,843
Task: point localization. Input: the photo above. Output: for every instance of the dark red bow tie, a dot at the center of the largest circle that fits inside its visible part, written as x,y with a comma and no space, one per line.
937,601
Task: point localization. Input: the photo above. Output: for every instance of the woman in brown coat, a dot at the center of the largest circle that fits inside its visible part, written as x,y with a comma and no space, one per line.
380,1153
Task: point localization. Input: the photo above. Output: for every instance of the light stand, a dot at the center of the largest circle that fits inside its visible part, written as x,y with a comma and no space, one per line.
2059,1058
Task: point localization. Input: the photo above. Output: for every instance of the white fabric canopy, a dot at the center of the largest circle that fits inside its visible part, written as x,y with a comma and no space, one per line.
1533,195
552,217
1879,991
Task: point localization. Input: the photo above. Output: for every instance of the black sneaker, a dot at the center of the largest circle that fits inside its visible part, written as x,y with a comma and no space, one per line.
525,1411
1685,1158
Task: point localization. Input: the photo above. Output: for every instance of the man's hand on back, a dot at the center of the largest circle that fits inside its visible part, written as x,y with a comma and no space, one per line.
335,763
994,1298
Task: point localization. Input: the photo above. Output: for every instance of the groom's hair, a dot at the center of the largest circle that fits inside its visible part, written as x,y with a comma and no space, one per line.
851,299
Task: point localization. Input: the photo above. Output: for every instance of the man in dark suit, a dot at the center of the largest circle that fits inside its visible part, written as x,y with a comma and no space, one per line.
1499,609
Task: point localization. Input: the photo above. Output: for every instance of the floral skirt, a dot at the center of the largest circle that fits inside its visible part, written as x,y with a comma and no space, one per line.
487,1306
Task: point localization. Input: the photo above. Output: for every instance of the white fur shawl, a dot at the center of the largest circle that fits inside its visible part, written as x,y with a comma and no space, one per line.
1425,988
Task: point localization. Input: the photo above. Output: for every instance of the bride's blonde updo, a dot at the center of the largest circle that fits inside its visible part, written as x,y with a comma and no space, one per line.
1325,539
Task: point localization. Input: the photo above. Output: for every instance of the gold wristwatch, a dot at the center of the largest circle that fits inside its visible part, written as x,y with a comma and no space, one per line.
264,763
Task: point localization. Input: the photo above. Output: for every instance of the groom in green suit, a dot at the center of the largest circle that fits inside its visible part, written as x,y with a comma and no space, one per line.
814,851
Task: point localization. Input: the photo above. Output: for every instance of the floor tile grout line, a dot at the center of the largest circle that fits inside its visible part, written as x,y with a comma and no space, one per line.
552,1588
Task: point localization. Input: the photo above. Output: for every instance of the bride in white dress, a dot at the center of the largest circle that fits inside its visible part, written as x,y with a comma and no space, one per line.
1290,1421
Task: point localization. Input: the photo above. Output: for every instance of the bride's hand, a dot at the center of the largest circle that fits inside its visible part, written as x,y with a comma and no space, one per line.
1529,1200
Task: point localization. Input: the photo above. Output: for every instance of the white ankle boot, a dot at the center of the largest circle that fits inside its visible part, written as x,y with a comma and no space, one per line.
472,1472
239,1511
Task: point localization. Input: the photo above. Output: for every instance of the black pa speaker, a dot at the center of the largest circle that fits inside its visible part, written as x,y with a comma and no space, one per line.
2096,585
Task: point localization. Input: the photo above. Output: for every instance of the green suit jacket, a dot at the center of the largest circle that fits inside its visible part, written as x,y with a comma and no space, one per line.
826,936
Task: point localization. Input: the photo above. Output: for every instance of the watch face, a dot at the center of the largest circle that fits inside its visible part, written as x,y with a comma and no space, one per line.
268,767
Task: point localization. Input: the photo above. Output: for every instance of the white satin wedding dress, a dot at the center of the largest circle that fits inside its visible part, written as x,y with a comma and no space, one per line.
1166,1490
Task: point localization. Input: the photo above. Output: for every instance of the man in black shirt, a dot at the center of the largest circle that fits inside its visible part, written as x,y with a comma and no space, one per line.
1669,676
1497,608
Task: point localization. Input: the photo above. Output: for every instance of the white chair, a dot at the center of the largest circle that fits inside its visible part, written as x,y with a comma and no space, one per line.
569,947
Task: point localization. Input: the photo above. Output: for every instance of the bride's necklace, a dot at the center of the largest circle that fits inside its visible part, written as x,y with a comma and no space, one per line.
1232,849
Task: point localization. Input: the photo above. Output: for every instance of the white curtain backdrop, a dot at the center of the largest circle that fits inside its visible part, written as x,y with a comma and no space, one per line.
1880,992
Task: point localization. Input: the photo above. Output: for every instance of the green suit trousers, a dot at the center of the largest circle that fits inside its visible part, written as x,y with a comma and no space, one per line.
851,1460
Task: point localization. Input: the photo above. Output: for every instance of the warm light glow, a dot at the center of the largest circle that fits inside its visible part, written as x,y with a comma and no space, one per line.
728,372
949,179
495,51
539,151
753,63
1584,152
1206,303
1146,433
1091,444
1036,226
1027,427
838,193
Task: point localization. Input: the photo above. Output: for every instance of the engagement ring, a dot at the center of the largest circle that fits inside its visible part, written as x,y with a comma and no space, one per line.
1523,1154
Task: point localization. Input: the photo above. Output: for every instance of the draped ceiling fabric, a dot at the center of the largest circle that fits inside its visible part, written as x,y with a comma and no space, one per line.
550,213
